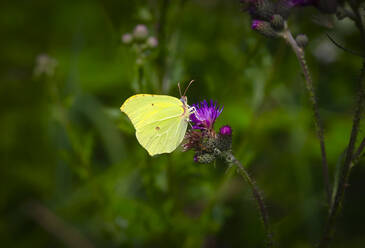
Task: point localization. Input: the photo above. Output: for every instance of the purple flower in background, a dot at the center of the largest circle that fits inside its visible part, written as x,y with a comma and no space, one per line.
293,3
205,115
325,6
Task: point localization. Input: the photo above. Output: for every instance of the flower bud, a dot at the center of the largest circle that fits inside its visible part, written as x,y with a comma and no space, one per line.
277,22
209,143
263,9
152,42
224,140
283,8
127,38
302,40
225,130
205,158
140,32
264,28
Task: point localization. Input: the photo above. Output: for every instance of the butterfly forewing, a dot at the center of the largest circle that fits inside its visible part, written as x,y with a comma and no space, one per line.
159,121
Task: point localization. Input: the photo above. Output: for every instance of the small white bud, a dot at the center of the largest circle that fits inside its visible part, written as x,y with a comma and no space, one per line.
140,32
152,42
127,38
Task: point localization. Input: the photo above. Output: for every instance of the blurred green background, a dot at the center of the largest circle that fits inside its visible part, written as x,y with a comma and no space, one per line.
73,174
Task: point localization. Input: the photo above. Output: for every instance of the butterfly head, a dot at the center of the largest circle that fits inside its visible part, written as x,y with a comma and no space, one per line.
184,100
183,96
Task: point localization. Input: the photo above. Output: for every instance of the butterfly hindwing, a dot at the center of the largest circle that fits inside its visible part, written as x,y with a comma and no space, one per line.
162,136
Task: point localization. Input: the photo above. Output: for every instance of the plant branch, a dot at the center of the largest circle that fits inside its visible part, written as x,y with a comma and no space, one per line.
358,19
299,52
140,72
359,151
351,156
258,197
161,36
346,168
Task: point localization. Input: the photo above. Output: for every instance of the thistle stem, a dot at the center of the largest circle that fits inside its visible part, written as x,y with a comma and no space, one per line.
140,77
299,52
346,168
258,197
359,151
161,36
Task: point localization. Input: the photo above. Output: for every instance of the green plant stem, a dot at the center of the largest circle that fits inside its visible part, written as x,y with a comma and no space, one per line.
161,36
358,18
346,168
359,150
258,197
140,77
351,156
299,52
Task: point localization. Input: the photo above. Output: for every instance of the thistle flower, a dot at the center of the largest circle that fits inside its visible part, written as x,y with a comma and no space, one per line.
268,16
325,6
202,139
294,3
193,139
205,115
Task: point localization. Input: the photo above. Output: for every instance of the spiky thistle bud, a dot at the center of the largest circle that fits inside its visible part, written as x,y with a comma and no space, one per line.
224,140
209,142
262,9
302,40
264,28
277,22
283,8
205,158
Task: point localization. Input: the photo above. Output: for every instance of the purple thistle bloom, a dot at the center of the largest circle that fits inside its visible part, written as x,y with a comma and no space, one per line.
205,115
225,130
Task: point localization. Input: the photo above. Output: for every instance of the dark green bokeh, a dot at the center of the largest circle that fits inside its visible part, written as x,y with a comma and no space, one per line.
67,150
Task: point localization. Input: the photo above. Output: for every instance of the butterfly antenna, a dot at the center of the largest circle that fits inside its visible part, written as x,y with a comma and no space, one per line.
192,81
178,85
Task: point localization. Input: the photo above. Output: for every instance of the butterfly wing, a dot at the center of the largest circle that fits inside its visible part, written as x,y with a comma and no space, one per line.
160,121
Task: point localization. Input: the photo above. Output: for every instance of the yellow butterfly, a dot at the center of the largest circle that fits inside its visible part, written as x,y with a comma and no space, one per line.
160,120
